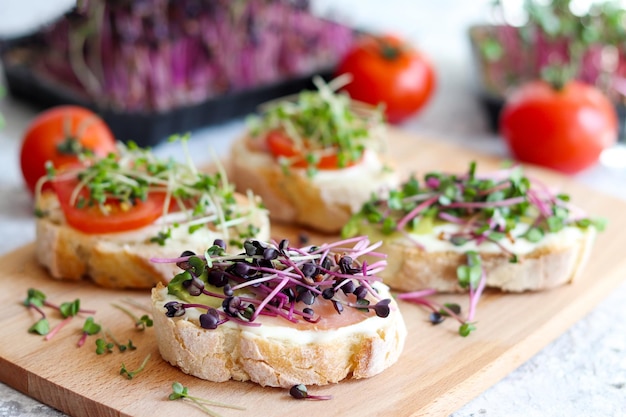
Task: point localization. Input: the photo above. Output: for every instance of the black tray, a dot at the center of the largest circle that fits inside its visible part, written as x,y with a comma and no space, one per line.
147,129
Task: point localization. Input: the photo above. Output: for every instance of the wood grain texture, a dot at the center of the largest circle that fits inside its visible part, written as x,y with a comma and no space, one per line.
437,373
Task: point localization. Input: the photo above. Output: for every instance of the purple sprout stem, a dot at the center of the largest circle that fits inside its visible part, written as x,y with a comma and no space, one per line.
417,294
269,297
369,250
419,297
82,339
371,290
450,218
39,310
489,204
475,295
417,210
58,327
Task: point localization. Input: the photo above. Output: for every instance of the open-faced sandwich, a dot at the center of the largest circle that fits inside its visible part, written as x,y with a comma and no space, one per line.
279,315
314,159
524,236
106,217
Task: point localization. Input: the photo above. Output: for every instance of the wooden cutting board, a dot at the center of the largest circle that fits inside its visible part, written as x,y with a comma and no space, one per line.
437,373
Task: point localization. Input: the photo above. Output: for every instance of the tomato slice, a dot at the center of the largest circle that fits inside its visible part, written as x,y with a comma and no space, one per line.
280,145
92,220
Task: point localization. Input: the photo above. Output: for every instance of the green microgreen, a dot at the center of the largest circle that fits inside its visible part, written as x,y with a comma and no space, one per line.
470,275
34,297
41,327
90,327
131,374
318,122
140,322
37,300
180,392
104,345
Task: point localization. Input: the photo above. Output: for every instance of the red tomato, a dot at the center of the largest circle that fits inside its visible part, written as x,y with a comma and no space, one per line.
56,135
280,145
565,129
386,70
92,220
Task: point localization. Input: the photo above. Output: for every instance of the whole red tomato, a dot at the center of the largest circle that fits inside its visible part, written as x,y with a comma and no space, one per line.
58,135
387,70
564,129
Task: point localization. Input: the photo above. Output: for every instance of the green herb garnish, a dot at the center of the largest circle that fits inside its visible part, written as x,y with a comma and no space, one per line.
140,322
320,122
132,374
37,300
180,392
90,327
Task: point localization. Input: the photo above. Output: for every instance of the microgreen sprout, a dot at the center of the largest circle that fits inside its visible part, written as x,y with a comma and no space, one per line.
320,123
180,392
300,392
131,374
470,275
36,300
276,279
90,327
140,322
103,345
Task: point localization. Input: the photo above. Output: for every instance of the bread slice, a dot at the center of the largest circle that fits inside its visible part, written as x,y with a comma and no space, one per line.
278,354
122,260
556,261
324,201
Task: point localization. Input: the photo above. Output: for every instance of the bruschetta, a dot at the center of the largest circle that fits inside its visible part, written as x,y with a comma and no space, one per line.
315,158
106,217
525,236
279,315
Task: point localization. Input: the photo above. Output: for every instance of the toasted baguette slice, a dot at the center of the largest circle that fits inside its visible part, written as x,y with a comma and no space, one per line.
555,261
278,354
323,202
120,260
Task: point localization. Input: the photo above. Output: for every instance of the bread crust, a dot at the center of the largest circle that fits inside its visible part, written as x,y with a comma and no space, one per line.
411,268
272,359
114,260
294,198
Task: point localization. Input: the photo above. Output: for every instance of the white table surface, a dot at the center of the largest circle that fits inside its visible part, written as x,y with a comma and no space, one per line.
582,373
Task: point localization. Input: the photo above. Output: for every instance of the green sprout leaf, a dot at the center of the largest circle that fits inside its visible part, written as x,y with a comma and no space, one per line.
34,297
466,328
70,308
131,374
42,327
103,346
